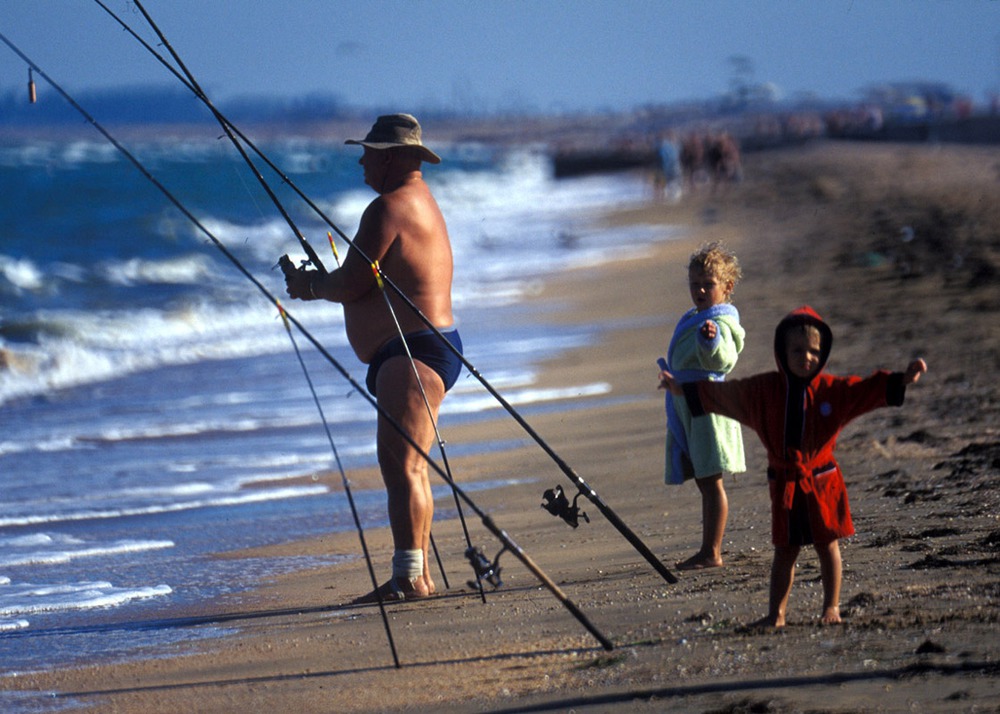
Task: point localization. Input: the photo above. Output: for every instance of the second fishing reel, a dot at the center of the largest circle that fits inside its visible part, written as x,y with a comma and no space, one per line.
484,568
556,503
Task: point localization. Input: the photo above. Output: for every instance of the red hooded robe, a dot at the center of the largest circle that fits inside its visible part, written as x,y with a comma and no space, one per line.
798,422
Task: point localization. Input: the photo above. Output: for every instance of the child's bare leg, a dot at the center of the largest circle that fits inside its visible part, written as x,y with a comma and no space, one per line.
782,576
714,513
830,569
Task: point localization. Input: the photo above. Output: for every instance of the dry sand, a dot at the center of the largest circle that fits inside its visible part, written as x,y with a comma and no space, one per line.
822,224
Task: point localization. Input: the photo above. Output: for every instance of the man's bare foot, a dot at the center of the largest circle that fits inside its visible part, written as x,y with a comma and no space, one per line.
699,561
831,616
429,585
395,590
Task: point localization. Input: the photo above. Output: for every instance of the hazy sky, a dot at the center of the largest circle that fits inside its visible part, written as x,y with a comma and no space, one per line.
511,54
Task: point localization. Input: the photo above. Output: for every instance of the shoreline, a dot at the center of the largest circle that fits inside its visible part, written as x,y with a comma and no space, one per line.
920,577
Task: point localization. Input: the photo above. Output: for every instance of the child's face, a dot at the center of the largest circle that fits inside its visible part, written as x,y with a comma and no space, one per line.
707,290
803,353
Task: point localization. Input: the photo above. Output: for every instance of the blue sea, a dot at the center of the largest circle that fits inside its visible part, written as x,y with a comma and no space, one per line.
153,411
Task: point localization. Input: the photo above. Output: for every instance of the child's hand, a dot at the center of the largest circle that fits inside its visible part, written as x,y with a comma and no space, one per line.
668,382
912,374
709,330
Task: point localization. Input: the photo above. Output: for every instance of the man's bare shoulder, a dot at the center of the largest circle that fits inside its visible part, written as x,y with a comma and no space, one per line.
401,204
408,203
412,192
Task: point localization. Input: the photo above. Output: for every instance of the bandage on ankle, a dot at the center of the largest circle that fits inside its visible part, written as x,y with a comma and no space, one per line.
408,564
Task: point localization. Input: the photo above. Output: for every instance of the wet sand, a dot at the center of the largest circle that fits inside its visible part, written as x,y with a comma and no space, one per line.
898,247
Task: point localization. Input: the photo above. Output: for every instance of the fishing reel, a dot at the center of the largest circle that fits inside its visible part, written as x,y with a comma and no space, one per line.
483,568
558,505
288,267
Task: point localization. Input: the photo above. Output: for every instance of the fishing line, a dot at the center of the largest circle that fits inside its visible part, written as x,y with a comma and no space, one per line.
344,481
487,520
582,486
236,130
313,258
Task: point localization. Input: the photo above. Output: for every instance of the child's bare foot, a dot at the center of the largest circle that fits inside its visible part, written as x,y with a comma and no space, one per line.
699,561
831,616
769,622
764,625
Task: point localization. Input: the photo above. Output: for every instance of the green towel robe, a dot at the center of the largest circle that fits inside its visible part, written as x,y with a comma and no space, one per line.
715,442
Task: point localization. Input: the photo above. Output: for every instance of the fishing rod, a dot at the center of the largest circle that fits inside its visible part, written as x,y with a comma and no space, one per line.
508,542
582,486
285,264
346,484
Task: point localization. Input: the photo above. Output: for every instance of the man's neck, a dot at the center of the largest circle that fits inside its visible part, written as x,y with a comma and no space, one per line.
394,182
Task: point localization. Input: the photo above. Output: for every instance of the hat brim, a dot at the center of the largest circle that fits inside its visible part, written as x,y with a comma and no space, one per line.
425,153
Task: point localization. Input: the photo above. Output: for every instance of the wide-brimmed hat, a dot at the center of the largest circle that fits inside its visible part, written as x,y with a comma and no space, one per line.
394,130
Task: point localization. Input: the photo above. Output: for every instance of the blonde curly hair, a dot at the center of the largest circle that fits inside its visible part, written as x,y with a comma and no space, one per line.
715,260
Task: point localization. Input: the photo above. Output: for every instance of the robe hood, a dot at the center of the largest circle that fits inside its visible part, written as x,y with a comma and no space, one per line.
804,315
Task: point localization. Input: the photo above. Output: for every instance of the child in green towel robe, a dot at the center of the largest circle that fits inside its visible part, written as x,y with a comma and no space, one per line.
706,344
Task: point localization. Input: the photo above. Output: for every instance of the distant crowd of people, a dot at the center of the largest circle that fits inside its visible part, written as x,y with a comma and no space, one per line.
696,160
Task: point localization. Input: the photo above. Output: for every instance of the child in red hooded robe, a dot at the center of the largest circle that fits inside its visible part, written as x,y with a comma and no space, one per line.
798,412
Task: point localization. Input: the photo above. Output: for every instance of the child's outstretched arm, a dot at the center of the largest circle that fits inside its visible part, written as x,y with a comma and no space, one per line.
916,368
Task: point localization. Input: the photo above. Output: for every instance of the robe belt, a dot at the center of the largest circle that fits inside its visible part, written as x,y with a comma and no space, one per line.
797,473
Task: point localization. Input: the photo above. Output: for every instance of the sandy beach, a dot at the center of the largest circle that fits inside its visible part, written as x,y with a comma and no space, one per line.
898,247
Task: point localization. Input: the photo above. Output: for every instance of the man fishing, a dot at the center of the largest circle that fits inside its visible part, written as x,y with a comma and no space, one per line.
404,233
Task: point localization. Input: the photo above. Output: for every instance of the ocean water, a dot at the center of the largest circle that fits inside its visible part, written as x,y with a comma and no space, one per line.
153,412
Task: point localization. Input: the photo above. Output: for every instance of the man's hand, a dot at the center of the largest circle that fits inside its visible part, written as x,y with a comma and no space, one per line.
912,374
299,284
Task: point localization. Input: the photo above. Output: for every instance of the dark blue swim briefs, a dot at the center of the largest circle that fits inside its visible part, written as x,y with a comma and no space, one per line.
425,346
